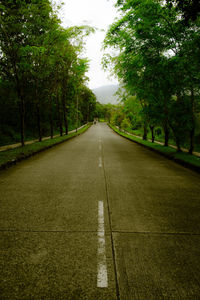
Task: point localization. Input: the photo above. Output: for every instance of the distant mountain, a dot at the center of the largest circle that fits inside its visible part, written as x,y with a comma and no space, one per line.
106,94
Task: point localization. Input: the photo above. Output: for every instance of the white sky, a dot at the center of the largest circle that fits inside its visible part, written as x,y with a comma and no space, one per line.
96,13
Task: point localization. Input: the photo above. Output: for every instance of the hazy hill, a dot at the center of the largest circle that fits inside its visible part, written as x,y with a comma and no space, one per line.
105,94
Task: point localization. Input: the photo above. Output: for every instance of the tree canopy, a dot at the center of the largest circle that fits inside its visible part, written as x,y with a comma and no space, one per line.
157,60
42,71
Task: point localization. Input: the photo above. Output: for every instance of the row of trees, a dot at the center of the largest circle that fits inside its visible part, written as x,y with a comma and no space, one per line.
42,71
157,61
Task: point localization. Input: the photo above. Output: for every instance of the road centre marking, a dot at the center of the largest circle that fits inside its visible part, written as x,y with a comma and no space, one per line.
100,162
100,145
102,274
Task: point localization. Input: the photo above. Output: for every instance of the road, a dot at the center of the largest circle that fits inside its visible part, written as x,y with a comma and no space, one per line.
99,217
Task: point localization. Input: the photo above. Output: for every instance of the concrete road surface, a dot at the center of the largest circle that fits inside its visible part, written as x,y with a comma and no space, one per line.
99,217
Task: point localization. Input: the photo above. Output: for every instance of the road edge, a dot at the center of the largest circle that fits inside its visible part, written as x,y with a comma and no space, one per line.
21,156
182,162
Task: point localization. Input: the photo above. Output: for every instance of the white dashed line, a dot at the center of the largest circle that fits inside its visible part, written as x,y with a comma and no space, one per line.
102,275
100,145
100,162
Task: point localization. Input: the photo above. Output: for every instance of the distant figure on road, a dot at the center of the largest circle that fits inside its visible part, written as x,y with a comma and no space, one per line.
95,121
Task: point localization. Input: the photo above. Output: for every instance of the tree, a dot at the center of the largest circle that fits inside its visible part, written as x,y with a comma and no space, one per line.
42,62
189,8
153,60
21,24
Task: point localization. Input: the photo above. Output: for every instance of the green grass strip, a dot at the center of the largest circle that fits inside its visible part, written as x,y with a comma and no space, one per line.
12,156
185,159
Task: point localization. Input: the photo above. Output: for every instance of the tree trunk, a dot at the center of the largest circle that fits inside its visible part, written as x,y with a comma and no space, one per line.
166,123
152,133
166,131
38,113
20,95
145,132
76,113
22,110
59,114
38,118
22,117
178,144
39,122
192,131
51,115
65,114
177,139
88,114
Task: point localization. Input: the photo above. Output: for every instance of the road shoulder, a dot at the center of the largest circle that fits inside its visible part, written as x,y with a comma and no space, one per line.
185,159
12,156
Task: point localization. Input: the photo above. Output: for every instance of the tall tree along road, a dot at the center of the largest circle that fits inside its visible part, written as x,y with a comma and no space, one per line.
99,217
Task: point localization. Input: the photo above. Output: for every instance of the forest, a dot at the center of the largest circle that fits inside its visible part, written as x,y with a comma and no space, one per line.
43,82
153,49
155,54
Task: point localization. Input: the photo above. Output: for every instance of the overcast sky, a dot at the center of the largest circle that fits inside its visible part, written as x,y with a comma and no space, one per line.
97,13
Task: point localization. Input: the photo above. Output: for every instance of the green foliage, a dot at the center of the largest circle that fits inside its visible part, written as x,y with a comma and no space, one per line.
132,109
189,9
125,124
118,118
157,61
42,71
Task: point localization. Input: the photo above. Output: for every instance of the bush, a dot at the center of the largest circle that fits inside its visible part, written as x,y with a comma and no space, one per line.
118,118
126,124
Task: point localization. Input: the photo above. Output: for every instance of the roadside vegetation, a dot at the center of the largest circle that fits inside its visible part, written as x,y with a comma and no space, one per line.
186,159
12,156
43,82
155,55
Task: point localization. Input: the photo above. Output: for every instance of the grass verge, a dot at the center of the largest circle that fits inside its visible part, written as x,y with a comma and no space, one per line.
185,159
10,157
